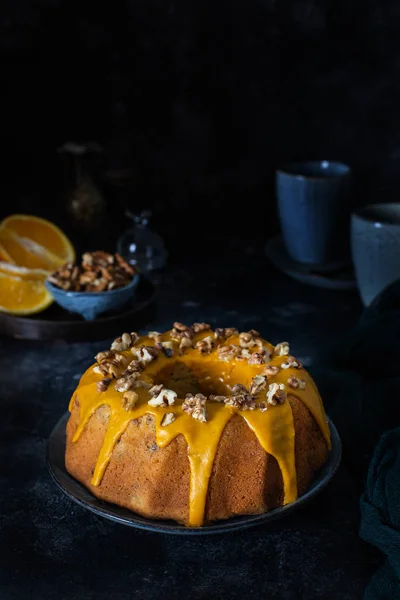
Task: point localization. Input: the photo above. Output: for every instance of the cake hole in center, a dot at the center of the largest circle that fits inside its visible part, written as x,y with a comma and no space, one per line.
184,380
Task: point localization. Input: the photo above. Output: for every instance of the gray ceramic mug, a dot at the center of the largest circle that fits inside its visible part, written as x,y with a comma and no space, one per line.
314,210
375,245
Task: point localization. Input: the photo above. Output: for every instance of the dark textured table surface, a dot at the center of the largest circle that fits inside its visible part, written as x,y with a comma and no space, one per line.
51,548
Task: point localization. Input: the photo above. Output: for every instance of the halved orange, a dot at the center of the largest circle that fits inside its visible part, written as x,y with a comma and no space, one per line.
23,272
43,232
4,256
27,253
20,296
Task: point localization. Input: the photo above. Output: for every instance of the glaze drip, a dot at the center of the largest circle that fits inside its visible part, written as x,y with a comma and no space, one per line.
273,428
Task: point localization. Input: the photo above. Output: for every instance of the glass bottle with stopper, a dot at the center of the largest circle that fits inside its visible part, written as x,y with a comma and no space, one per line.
85,204
140,246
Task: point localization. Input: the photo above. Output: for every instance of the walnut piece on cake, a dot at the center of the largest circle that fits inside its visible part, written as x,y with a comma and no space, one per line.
282,349
206,345
195,406
291,363
270,370
164,397
222,333
296,383
276,394
167,419
129,400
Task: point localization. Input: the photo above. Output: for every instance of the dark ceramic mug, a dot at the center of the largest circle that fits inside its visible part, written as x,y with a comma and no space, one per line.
375,242
314,210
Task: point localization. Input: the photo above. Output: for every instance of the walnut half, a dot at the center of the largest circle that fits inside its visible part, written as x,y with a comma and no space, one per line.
282,349
125,383
103,384
256,359
296,383
227,353
291,363
248,339
222,333
164,398
206,345
195,406
258,383
199,327
145,354
129,400
166,347
167,419
241,401
270,370
276,394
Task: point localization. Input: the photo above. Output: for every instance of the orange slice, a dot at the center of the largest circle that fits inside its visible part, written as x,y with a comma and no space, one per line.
23,296
27,253
4,256
42,232
23,272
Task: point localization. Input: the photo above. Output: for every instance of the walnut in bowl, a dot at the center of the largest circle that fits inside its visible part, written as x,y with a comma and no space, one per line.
100,283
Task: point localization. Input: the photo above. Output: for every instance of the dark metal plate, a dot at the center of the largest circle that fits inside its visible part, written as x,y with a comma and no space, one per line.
78,493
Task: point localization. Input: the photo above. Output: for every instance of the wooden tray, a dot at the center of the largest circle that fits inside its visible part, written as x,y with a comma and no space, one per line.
56,323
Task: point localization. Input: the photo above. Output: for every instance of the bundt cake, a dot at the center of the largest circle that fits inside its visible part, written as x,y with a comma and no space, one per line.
196,425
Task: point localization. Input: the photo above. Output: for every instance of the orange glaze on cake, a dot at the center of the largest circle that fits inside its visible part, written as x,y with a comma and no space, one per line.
274,428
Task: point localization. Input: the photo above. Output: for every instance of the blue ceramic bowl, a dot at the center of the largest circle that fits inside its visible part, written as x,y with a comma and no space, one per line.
92,304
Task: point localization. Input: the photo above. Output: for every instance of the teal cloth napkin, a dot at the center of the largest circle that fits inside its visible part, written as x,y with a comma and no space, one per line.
359,381
380,516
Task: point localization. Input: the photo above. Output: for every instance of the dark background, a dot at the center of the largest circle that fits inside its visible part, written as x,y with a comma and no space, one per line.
196,104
